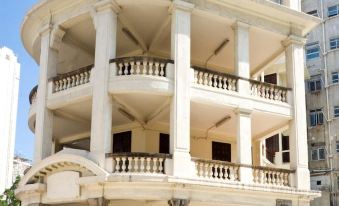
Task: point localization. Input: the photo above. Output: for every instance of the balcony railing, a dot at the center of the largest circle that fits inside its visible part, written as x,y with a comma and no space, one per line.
72,79
142,163
213,79
268,91
151,66
229,172
32,94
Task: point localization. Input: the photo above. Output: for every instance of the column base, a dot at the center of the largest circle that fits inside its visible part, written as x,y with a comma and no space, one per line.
182,164
246,175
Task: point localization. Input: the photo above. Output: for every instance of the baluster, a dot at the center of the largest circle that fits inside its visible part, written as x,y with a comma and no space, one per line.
126,68
210,82
200,78
274,178
201,169
220,82
267,92
255,175
162,69
286,179
87,76
120,69
150,70
148,165
144,70
61,85
123,167
206,172
161,161
195,76
226,176
56,86
284,98
130,164
215,80
156,72
236,173
206,78
281,179
64,83
132,68
136,164
259,90
231,175
81,79
216,171
234,84
155,165
117,164
72,81
77,81
210,170
261,176
224,86
142,164
272,93
265,178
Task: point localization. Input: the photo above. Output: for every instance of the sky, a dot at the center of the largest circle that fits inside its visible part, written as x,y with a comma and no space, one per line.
12,13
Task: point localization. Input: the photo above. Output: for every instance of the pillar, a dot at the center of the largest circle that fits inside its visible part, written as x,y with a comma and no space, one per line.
180,104
294,51
44,116
105,21
244,142
242,56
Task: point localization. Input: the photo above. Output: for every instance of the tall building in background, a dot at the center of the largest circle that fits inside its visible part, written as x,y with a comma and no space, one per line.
9,89
20,166
322,98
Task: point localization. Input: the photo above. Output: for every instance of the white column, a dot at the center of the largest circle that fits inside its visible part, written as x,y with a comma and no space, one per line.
180,105
44,116
244,142
242,55
105,21
298,134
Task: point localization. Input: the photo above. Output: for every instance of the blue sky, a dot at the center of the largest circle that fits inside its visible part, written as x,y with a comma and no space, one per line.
12,13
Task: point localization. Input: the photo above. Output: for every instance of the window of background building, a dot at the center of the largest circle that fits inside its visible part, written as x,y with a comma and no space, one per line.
335,77
338,182
336,111
333,10
337,147
313,13
314,85
334,43
318,154
312,51
318,182
316,117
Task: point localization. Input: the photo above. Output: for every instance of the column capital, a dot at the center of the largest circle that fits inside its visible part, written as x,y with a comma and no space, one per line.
181,5
57,34
46,29
239,24
178,202
293,39
107,5
243,111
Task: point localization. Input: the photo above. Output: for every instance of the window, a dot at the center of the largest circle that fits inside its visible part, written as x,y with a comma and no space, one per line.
316,117
164,144
313,13
334,43
122,142
318,154
271,78
318,182
312,51
338,182
285,149
336,111
332,11
337,147
221,151
314,85
335,77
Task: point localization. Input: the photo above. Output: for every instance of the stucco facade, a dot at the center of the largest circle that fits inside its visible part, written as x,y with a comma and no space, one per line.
161,103
322,69
9,90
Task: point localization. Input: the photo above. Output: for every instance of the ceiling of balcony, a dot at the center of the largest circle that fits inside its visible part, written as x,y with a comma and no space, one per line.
149,29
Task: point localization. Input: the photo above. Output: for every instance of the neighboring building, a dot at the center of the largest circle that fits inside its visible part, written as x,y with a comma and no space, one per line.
322,89
155,102
20,166
9,91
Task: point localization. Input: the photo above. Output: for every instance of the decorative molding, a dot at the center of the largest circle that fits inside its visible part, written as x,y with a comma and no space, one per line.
181,5
178,202
239,24
57,35
243,111
293,39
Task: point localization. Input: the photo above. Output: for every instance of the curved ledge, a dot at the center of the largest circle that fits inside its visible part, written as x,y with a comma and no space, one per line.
62,162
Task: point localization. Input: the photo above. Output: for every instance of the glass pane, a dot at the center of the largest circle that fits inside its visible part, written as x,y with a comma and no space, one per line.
321,154
315,154
312,86
313,119
320,118
318,85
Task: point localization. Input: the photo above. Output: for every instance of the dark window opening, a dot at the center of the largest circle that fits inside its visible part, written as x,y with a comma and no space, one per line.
164,143
318,182
221,151
122,142
272,146
271,78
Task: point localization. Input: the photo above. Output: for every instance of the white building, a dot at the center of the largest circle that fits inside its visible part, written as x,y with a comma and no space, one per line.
322,60
9,91
158,102
20,167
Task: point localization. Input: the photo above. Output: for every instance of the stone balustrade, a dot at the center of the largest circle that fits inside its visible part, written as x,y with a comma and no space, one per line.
32,94
216,170
214,79
139,163
271,176
151,66
72,79
268,91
